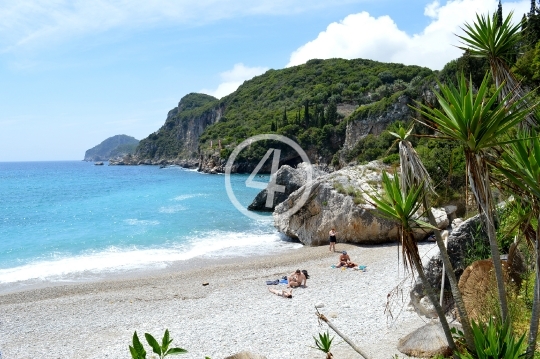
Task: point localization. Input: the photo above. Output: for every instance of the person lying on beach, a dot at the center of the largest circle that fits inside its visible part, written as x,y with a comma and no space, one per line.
297,279
345,261
283,293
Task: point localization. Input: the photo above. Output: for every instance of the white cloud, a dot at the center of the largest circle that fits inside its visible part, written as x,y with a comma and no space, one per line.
232,79
363,36
31,23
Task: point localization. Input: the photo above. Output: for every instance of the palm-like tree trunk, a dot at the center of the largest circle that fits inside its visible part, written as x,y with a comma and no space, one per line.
458,299
479,180
535,315
431,295
414,172
502,75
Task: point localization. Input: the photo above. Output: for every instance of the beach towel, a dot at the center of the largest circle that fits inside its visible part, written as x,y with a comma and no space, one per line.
272,282
283,281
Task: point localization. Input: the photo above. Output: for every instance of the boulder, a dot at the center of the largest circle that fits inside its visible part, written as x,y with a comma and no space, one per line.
459,240
451,212
289,177
440,217
421,303
425,342
338,200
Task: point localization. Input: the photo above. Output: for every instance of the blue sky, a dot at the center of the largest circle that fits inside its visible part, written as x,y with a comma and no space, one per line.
73,73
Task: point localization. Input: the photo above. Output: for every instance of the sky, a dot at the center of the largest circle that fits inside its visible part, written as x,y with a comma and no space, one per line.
73,73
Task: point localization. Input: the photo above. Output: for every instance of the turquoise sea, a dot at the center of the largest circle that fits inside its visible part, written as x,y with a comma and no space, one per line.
72,221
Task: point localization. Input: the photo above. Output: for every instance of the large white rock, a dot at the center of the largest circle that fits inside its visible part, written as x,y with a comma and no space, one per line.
331,204
440,217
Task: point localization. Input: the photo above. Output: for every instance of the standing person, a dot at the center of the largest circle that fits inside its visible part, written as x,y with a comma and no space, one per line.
332,234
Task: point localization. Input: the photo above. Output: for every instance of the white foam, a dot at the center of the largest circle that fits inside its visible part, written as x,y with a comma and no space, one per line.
183,197
140,222
217,244
172,209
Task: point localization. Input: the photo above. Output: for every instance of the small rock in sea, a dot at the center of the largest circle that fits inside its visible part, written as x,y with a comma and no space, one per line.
319,305
205,283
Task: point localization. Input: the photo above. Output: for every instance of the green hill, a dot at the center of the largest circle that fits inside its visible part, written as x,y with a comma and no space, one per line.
310,103
116,146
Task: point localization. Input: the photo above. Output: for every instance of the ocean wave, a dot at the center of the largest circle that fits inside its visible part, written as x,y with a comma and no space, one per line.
214,244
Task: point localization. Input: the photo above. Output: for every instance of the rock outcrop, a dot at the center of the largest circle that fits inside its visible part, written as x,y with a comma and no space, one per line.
291,179
177,141
338,200
112,147
376,123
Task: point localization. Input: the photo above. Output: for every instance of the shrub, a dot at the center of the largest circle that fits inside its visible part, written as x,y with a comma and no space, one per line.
495,341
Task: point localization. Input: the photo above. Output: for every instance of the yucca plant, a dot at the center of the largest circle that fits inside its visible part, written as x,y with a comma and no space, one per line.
402,206
497,43
495,341
521,167
478,122
413,173
324,343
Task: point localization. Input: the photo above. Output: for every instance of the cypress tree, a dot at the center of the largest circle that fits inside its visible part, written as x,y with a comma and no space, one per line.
321,117
331,113
533,8
306,113
285,121
273,127
499,18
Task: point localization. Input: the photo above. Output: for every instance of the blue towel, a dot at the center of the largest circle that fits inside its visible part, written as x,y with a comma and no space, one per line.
272,282
283,281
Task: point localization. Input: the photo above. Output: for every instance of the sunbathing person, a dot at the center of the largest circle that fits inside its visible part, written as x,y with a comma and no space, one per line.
345,261
283,293
297,279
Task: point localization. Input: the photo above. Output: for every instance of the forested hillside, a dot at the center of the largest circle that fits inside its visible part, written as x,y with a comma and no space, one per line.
310,104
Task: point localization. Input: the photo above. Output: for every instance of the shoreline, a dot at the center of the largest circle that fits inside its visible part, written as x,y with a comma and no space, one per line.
194,263
234,312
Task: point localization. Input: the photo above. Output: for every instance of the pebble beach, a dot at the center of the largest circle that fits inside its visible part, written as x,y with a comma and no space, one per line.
235,312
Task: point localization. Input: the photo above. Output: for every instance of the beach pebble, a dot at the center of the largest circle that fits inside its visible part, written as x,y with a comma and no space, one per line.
219,321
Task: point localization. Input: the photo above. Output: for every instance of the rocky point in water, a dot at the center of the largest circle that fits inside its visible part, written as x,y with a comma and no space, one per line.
291,179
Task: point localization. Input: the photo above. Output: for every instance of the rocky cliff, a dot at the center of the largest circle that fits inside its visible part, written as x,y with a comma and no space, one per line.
112,147
177,141
363,123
